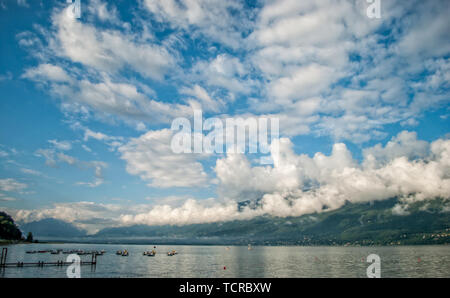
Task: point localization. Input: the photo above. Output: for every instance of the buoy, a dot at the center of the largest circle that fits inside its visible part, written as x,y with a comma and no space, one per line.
419,259
224,268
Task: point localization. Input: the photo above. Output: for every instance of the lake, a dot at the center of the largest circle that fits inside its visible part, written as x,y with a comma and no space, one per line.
237,261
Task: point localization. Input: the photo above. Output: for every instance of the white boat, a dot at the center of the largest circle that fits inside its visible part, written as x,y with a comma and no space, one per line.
172,253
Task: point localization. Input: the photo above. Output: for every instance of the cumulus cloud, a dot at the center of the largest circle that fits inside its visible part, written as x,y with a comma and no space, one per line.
298,184
150,157
405,144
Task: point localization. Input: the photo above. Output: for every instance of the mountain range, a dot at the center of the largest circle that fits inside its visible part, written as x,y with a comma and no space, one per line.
374,223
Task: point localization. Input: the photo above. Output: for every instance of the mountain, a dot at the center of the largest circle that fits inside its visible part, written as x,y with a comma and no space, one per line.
8,229
52,228
374,223
364,223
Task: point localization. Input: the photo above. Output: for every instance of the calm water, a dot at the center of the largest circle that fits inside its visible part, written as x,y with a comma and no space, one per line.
261,261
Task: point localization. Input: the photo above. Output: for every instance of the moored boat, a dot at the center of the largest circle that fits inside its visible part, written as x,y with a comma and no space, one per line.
151,253
171,253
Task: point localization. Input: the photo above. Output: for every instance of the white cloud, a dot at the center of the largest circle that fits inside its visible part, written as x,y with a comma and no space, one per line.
31,172
12,185
49,155
224,71
61,145
306,81
47,72
425,28
86,148
303,49
150,157
87,215
107,50
113,98
298,184
280,53
191,212
221,21
201,96
405,144
400,209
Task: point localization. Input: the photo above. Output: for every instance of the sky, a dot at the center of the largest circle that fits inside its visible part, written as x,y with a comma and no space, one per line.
86,106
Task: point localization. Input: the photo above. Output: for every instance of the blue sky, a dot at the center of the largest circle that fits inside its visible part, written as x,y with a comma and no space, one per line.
86,104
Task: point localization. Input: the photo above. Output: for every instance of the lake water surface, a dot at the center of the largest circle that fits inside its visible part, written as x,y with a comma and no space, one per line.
239,261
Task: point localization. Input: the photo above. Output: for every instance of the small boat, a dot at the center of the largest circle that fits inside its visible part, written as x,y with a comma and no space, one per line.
54,252
31,252
119,252
151,253
125,253
172,253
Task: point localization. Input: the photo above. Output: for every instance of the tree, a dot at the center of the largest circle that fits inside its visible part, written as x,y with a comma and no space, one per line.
30,237
8,229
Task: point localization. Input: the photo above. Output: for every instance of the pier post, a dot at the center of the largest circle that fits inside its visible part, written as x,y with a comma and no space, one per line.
3,258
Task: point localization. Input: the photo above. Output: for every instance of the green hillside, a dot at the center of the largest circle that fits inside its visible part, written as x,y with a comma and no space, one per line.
8,229
365,223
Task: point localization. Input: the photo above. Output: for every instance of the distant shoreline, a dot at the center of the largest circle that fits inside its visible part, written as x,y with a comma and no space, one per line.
13,242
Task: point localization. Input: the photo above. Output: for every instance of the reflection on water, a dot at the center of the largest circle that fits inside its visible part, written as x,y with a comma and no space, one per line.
238,261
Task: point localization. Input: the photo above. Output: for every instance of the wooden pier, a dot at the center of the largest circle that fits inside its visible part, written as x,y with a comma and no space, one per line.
4,264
